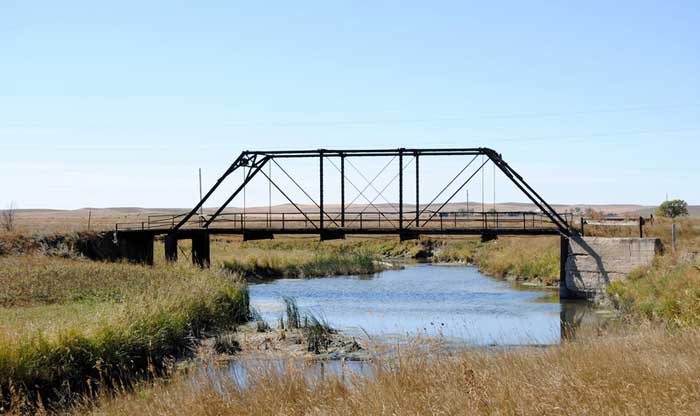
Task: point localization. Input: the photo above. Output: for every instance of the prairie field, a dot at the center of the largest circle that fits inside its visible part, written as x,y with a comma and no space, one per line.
645,370
81,336
68,326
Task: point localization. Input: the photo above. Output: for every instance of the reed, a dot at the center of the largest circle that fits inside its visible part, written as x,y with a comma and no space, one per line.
72,326
667,291
531,259
301,264
641,371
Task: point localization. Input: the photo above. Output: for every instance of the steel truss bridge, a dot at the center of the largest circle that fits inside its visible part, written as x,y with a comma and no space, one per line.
407,219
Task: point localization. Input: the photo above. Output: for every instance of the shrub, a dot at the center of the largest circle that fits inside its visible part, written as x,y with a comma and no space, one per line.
672,209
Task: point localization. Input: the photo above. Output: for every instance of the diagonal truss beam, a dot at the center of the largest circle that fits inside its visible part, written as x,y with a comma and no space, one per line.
289,199
386,186
255,167
236,163
255,161
525,188
456,192
441,191
360,193
302,190
371,183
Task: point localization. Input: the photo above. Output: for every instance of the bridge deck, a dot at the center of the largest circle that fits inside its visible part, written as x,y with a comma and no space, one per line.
453,223
350,231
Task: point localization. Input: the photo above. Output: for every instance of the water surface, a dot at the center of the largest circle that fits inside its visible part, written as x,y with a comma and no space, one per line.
456,303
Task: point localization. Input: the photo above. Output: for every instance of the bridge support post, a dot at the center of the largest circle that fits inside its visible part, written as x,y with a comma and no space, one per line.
327,234
170,243
342,191
401,189
488,236
564,292
417,224
201,249
320,182
406,235
136,247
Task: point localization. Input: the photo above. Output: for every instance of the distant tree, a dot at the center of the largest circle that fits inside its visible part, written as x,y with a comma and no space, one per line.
672,209
8,218
594,214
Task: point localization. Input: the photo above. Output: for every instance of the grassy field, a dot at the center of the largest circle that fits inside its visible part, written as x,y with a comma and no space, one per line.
643,372
648,364
68,326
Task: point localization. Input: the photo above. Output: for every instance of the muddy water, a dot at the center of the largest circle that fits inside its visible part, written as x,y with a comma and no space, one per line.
455,303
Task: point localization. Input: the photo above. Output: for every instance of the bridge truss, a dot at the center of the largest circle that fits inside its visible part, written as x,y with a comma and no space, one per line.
405,219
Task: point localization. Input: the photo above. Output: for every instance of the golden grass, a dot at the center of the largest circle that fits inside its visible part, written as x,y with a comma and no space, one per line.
524,259
646,371
70,325
667,291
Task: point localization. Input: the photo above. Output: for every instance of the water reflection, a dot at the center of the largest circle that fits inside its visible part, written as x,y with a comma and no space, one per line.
576,316
455,303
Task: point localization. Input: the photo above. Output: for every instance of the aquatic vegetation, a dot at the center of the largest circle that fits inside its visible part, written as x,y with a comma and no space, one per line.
316,329
302,264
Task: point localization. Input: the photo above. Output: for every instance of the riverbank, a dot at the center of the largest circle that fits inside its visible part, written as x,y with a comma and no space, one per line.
646,371
131,320
72,326
646,363
532,260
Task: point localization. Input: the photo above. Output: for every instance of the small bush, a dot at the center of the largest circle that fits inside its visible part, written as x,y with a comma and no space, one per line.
226,344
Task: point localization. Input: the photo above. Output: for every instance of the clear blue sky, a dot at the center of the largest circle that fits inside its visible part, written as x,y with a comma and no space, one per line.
594,102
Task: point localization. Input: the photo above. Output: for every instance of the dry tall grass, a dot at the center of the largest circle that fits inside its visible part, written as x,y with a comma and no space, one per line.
645,372
525,259
667,291
67,326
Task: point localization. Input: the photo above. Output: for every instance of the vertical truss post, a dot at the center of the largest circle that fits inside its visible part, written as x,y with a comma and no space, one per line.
417,190
320,180
342,190
401,189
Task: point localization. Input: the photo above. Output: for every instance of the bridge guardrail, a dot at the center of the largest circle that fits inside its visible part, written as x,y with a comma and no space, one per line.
353,220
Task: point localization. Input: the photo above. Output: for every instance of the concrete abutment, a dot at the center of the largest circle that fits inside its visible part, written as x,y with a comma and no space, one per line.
589,264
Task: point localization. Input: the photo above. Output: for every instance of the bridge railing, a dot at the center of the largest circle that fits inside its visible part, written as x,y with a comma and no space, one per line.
353,220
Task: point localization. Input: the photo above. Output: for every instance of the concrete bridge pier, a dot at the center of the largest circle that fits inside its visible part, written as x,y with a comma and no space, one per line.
564,292
589,264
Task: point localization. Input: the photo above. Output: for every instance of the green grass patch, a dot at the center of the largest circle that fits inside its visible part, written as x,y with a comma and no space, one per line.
301,264
68,327
668,291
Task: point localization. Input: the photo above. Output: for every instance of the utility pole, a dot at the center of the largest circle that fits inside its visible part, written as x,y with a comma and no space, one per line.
201,209
467,201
